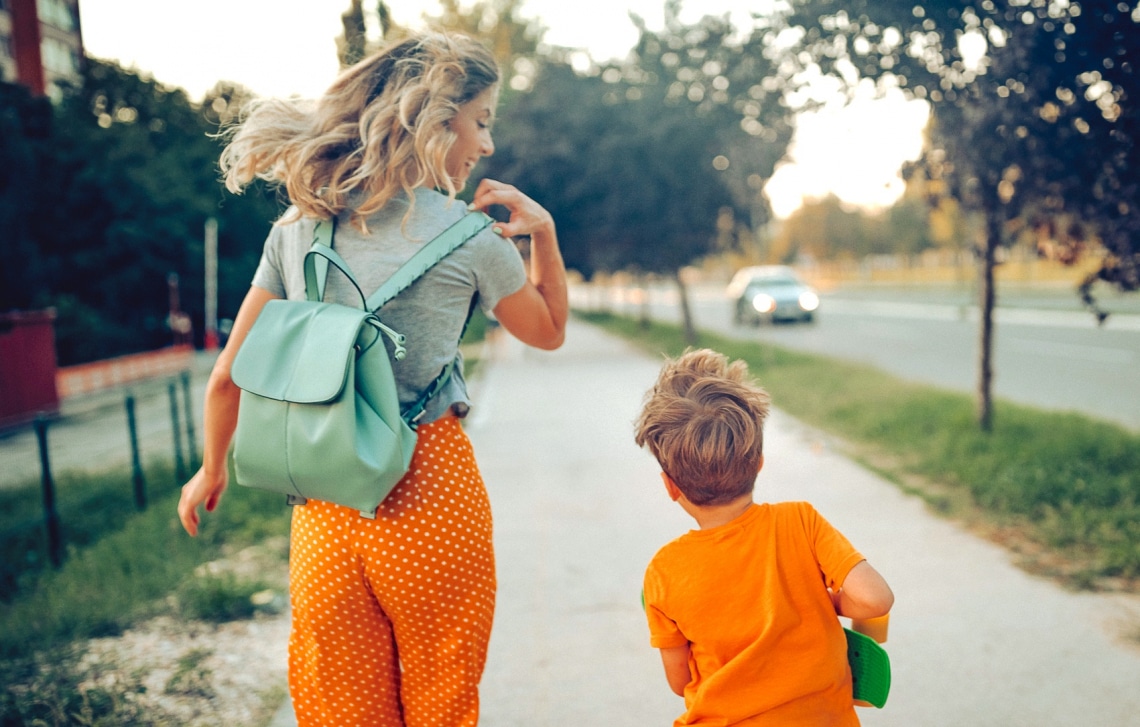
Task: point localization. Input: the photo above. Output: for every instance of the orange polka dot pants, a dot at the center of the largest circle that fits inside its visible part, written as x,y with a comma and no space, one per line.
391,617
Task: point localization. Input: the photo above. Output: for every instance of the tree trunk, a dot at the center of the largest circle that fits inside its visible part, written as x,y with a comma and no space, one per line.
686,313
986,310
644,318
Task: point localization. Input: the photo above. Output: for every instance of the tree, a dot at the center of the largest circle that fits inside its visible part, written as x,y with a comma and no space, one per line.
822,229
512,39
353,43
1033,109
719,107
631,184
651,164
740,87
105,195
547,144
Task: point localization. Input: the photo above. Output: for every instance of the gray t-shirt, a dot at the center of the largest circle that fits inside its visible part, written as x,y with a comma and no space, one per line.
430,312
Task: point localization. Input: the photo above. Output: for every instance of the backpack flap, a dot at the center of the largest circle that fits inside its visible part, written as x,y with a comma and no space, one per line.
299,351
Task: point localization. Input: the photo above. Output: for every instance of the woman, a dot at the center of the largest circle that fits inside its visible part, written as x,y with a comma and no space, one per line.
391,617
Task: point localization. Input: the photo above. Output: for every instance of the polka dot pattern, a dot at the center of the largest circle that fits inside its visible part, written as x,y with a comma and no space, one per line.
391,617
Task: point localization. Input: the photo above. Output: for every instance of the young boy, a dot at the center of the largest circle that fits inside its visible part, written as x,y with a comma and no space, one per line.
744,609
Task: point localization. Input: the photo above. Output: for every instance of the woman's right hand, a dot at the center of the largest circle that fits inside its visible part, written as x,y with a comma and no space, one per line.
201,489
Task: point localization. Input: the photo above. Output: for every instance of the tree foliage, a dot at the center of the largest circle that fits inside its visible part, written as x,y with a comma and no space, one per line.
1034,110
652,163
25,159
827,229
1034,105
116,184
512,38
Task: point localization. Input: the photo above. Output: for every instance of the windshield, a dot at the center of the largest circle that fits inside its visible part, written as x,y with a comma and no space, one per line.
773,283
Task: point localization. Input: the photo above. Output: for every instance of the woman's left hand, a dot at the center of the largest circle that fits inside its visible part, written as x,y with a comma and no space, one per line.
527,216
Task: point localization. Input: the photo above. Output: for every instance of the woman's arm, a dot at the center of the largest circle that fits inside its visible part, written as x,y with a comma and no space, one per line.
220,419
865,593
676,661
536,314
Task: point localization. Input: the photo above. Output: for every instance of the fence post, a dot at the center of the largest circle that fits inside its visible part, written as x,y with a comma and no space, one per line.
176,430
51,515
136,464
187,406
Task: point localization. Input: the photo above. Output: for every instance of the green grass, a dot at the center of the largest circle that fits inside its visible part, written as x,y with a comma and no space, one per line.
220,597
126,569
89,505
1063,488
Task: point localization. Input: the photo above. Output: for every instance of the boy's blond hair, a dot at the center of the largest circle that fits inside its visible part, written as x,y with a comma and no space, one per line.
704,422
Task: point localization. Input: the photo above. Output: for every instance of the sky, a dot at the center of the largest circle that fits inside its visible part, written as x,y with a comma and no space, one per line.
283,49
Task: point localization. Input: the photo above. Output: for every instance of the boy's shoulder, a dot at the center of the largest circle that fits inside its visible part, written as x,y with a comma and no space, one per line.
799,515
758,516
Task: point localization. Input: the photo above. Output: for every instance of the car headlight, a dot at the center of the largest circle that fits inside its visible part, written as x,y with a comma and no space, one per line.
809,301
763,303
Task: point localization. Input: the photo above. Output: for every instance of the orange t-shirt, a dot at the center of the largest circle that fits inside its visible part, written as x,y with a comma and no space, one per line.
750,598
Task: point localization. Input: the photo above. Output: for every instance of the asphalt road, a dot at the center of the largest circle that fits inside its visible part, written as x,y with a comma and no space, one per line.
1045,357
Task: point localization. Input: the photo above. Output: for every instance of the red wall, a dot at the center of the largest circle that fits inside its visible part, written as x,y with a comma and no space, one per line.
27,365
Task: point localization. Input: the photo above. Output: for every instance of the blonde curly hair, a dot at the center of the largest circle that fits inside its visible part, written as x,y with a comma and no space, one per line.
382,128
704,423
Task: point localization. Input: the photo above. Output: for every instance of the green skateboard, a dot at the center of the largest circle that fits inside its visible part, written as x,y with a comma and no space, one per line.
870,670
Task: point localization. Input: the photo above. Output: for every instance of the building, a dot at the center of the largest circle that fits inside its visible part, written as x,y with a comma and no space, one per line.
40,43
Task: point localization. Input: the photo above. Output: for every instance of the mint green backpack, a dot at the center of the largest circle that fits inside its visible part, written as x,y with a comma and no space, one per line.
319,415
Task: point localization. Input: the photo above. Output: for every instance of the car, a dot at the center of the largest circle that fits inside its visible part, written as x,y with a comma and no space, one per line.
769,294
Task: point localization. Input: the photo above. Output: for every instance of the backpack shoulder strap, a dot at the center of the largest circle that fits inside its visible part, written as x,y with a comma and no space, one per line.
316,269
431,253
316,266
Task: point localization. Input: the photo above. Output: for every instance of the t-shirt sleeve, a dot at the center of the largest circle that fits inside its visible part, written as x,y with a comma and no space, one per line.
500,271
834,553
270,274
663,631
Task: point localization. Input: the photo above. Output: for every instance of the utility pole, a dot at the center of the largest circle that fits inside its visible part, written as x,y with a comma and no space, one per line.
179,322
211,326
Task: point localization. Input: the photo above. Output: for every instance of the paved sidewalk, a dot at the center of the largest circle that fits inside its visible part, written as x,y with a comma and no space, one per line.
579,511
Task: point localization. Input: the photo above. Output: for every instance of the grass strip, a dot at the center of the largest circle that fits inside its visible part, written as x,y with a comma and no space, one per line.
127,571
1062,488
89,505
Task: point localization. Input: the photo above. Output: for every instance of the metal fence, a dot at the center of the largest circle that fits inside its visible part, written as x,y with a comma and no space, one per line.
126,427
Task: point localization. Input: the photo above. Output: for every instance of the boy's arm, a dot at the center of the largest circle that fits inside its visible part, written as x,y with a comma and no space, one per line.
865,593
676,661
